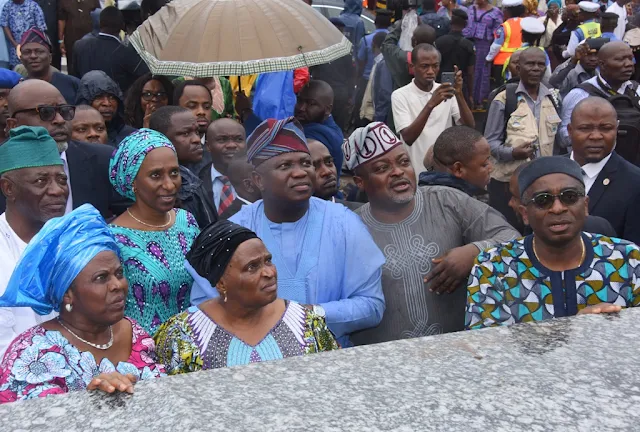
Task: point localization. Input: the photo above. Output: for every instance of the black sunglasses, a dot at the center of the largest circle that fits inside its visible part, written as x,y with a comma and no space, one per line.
150,95
544,200
48,112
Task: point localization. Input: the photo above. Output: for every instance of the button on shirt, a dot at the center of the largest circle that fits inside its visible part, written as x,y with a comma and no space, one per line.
591,171
69,208
407,103
217,184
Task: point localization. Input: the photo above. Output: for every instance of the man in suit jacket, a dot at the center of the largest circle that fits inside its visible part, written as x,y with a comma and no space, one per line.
105,52
86,165
612,183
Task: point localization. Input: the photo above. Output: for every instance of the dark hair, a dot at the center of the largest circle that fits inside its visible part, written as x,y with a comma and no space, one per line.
133,114
150,7
177,93
378,39
456,144
609,21
516,11
428,48
160,120
382,21
459,17
428,5
111,19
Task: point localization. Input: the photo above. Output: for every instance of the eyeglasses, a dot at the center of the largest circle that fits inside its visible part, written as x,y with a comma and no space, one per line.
544,200
48,112
150,95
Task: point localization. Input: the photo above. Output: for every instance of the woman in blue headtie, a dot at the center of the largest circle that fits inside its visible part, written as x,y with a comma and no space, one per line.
72,266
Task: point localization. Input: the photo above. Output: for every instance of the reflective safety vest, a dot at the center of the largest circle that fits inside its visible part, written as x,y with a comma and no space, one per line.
512,40
590,29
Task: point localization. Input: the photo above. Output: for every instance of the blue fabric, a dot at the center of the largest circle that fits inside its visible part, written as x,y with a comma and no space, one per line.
611,36
55,257
9,79
382,89
556,2
20,18
128,157
352,300
4,42
274,96
353,25
365,52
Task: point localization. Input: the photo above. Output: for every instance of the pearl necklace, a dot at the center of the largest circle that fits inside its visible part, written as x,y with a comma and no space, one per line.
98,346
149,225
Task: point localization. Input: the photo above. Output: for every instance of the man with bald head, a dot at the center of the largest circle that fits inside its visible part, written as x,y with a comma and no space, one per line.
615,60
612,183
38,103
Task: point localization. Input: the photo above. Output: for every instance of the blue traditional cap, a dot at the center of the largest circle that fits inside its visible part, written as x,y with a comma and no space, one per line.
55,257
274,137
546,165
9,79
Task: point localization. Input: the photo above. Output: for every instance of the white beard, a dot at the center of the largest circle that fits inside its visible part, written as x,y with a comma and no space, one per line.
62,147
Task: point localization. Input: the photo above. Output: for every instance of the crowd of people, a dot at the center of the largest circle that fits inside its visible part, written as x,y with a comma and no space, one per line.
156,225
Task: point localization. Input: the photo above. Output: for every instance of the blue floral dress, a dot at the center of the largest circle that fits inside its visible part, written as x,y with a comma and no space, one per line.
41,362
159,284
20,18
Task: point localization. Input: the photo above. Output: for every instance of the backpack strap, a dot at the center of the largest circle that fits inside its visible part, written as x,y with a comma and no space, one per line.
511,101
593,90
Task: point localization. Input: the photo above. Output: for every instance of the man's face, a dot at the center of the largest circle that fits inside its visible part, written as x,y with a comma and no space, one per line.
88,126
560,223
225,139
513,64
183,134
4,102
58,128
590,61
593,130
477,170
531,66
39,193
325,181
107,106
286,178
311,107
197,99
514,202
36,58
426,66
617,67
389,179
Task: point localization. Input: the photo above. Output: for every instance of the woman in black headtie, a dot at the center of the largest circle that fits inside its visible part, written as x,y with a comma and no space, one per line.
245,322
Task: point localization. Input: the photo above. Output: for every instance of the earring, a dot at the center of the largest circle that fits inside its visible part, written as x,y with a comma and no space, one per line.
68,307
224,296
134,190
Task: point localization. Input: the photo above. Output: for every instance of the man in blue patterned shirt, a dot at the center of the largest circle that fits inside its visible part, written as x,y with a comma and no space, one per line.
558,270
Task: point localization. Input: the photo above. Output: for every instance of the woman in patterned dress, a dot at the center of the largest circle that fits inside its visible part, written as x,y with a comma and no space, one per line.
72,266
153,236
246,322
484,19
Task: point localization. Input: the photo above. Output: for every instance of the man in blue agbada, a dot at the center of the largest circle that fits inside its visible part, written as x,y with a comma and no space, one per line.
326,258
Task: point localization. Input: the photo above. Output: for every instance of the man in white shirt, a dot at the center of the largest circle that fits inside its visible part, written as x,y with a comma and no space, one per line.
424,108
619,7
33,181
612,184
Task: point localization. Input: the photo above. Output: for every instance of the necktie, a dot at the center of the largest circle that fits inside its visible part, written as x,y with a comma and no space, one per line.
226,196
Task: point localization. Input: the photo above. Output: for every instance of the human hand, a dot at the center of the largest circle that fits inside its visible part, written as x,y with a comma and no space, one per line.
451,268
581,51
63,49
243,103
523,152
444,92
111,382
150,109
458,81
600,308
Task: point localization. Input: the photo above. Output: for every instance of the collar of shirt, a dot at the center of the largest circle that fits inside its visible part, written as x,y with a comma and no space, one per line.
422,92
215,173
621,90
243,200
378,58
111,36
543,91
592,170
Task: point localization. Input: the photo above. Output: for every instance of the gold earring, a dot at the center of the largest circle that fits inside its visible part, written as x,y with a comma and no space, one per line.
224,296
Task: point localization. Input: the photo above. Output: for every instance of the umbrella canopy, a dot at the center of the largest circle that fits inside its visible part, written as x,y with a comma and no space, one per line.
205,38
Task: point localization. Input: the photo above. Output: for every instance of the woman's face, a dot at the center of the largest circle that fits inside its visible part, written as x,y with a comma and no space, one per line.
153,95
158,180
99,291
250,277
553,10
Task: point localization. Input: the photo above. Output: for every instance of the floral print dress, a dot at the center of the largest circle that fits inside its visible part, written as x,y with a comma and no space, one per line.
41,362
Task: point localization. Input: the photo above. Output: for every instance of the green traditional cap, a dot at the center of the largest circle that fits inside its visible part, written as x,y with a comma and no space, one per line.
28,147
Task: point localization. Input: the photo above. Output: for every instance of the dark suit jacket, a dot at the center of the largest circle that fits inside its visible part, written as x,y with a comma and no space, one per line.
122,63
89,175
615,196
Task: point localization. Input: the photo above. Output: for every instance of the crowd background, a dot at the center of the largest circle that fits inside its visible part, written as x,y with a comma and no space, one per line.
466,165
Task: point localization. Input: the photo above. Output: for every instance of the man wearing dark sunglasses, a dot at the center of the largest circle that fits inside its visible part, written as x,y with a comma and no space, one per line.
38,103
559,270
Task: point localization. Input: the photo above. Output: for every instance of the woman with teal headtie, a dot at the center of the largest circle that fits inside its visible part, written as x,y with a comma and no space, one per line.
72,266
154,237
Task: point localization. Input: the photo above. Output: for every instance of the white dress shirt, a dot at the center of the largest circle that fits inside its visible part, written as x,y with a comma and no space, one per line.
592,171
69,208
13,321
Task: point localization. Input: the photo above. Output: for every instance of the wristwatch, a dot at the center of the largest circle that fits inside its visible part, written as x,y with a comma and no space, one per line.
319,310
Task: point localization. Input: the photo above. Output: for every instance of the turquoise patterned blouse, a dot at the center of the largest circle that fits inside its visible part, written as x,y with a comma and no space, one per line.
153,262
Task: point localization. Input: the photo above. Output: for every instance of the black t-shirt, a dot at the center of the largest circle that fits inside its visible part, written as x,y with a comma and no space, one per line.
456,50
